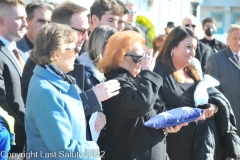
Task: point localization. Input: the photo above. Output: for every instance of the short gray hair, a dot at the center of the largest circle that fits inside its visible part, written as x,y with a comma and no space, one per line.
233,27
51,38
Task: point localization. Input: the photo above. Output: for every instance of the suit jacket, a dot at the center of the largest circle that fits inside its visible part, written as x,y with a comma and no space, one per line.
226,69
10,93
202,53
23,46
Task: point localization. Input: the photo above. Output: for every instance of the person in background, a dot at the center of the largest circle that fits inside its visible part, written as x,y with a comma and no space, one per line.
54,95
132,16
13,26
7,135
89,23
106,12
38,14
224,66
127,138
123,18
169,28
95,47
209,26
202,50
201,139
158,42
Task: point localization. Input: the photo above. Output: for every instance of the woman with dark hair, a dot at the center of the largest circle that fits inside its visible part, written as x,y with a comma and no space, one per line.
199,140
137,102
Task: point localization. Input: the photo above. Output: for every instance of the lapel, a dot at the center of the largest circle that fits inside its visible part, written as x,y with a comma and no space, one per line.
5,51
23,46
231,58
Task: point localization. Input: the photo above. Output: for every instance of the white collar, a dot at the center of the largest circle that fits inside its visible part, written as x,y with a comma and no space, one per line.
8,44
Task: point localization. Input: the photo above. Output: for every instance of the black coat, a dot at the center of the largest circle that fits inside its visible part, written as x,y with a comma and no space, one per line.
202,53
218,133
217,46
127,137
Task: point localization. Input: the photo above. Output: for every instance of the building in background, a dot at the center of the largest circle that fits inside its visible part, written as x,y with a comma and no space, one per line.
225,12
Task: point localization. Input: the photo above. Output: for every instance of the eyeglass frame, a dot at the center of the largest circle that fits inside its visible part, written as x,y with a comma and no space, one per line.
132,12
139,57
81,31
192,25
73,49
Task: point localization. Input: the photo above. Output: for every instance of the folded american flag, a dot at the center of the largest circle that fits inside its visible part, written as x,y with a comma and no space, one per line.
174,117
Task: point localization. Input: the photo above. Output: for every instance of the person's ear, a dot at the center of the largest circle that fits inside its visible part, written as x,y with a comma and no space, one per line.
95,20
1,21
55,57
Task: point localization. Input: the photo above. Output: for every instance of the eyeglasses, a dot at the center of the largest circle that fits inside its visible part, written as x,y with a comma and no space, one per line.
73,49
132,12
188,25
135,58
80,31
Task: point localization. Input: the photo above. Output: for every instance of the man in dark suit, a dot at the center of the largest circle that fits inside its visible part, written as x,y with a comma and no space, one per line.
12,27
202,51
225,67
38,14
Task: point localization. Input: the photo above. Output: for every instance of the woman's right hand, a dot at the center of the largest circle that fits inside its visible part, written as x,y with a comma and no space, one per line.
148,60
175,129
106,90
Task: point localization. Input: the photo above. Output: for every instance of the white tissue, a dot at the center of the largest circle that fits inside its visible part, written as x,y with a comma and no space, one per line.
200,93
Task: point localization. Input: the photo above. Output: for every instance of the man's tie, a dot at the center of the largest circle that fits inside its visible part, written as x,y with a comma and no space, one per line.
19,58
237,58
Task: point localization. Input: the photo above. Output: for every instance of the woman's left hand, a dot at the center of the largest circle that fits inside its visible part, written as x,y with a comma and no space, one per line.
175,129
210,111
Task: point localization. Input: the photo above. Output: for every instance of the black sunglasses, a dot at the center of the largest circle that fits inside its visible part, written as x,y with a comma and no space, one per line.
73,49
188,25
135,58
80,31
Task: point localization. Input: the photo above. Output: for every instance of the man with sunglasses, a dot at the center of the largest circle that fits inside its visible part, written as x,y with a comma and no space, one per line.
38,14
202,51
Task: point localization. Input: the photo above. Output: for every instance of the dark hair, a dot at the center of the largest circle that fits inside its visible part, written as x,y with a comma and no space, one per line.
99,7
170,25
161,39
173,39
208,19
63,13
125,10
128,26
31,7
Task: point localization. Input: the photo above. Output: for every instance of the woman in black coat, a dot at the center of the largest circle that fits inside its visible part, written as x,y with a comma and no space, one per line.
127,137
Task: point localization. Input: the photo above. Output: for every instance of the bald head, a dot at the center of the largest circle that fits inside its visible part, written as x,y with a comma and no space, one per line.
190,22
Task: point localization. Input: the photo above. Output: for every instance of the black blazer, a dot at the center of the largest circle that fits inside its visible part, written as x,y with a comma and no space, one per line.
202,53
10,94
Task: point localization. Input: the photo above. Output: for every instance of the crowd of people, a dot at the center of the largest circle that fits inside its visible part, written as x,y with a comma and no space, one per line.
60,64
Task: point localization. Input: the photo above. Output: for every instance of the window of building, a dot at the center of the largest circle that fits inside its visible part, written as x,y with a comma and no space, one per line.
219,17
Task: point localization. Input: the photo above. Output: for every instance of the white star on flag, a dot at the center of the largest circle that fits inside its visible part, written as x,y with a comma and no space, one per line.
188,109
165,114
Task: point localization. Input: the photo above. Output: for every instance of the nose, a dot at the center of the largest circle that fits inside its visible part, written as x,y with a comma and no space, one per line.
85,36
24,22
115,25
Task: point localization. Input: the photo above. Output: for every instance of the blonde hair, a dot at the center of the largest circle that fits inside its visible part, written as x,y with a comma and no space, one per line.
233,28
118,45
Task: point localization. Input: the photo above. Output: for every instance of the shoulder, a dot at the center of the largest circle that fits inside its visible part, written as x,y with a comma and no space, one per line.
204,46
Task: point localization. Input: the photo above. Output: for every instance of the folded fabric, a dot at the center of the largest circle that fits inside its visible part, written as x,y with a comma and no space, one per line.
174,117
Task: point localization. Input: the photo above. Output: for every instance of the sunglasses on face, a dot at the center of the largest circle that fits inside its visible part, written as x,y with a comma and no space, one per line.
135,58
73,49
131,12
188,25
80,31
